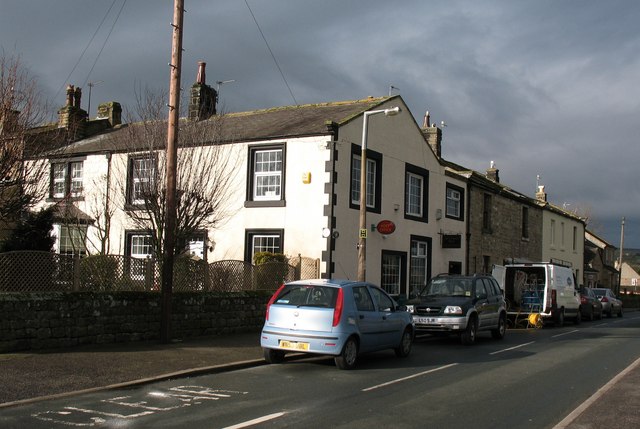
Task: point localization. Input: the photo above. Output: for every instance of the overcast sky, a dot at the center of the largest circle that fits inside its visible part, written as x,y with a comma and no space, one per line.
544,87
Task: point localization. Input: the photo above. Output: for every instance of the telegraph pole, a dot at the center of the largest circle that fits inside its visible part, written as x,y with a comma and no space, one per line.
171,155
620,255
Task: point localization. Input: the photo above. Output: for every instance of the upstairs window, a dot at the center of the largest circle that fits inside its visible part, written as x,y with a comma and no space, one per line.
141,179
416,193
371,182
373,186
454,208
486,213
525,222
266,175
66,179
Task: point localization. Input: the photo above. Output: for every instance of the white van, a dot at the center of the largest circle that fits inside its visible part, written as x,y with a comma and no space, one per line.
543,288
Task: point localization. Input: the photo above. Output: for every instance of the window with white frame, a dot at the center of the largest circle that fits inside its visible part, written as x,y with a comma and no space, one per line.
266,173
454,208
355,181
263,240
139,250
393,265
140,245
71,239
142,174
419,265
373,188
416,185
413,194
66,179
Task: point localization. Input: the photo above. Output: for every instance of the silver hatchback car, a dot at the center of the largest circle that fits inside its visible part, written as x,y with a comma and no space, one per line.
342,318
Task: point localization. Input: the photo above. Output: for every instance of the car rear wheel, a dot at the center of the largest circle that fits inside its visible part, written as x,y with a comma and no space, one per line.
620,312
591,315
404,348
468,337
501,330
273,356
578,318
347,358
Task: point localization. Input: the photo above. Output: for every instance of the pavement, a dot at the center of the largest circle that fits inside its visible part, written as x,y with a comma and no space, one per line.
40,375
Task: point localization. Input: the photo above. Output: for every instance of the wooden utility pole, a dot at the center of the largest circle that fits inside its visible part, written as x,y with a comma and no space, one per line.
620,256
171,155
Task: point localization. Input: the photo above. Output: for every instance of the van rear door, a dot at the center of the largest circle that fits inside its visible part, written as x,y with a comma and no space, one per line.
498,273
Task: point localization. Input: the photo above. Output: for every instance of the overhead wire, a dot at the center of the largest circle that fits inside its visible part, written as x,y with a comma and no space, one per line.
85,49
271,52
105,42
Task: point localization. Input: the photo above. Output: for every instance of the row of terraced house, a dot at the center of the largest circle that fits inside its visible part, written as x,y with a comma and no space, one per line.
288,180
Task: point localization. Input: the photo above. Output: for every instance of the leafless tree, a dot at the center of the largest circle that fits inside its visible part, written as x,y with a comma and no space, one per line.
22,114
205,173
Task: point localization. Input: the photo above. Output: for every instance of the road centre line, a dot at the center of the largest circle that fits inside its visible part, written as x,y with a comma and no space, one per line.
398,380
511,348
565,333
256,421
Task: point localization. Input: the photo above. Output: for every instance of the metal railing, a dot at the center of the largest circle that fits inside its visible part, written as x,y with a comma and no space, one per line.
29,271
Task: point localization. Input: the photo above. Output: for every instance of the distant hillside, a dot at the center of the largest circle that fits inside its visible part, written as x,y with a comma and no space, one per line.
631,257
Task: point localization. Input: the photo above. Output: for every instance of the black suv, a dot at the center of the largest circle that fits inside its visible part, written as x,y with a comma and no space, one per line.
462,305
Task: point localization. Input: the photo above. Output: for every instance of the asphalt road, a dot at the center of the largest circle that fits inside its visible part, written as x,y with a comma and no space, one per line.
531,379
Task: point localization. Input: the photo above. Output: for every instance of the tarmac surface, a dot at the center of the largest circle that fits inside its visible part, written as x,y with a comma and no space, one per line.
37,376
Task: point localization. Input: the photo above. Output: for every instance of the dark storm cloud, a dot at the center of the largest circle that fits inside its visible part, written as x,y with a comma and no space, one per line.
544,88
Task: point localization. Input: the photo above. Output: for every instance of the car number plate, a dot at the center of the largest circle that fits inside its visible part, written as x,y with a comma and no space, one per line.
291,345
424,320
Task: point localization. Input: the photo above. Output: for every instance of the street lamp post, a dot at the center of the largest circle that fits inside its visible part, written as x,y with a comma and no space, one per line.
362,241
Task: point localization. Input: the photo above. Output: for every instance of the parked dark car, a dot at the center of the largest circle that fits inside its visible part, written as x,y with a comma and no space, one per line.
610,303
462,305
590,305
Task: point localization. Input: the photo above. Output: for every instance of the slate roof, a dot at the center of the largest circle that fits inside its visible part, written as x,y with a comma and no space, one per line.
279,122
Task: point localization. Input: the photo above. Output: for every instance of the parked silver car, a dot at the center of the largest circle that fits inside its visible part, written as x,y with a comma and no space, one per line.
335,317
610,303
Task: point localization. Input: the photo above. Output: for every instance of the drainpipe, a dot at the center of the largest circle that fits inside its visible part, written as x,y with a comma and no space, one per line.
107,213
332,127
468,228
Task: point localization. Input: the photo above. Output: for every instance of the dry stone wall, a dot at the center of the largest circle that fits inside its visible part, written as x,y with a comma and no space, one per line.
32,321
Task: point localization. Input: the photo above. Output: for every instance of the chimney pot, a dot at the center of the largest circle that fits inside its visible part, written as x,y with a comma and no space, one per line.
77,96
492,173
70,93
201,77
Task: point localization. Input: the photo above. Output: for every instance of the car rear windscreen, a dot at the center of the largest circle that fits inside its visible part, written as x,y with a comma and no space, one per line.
308,296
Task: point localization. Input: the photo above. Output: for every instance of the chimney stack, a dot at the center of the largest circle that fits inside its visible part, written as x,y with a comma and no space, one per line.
433,134
492,173
541,195
202,104
112,111
71,116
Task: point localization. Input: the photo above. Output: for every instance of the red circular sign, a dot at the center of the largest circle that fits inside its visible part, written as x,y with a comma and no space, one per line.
386,227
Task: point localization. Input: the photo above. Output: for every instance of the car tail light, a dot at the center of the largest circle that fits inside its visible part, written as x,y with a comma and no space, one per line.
273,298
337,310
604,299
553,298
583,300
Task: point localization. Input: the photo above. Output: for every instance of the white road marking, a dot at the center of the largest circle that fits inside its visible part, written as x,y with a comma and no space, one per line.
565,333
511,348
586,404
256,421
408,378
